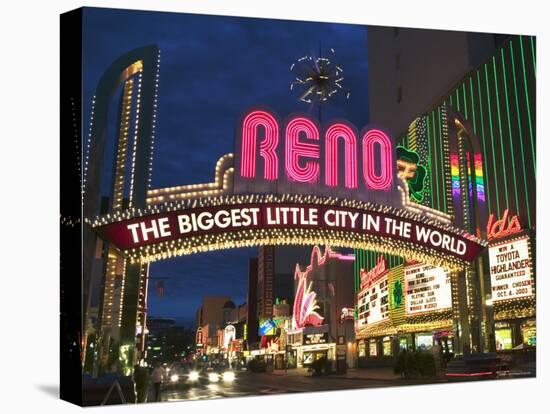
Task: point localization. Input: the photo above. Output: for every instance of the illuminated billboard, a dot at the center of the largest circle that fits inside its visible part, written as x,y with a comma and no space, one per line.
299,156
427,289
372,300
267,327
511,269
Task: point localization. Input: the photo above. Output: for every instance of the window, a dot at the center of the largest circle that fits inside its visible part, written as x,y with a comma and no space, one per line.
361,349
529,333
386,346
424,341
503,336
398,60
373,351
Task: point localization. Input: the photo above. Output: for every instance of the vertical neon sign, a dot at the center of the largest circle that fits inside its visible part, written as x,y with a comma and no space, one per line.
480,186
455,176
469,175
478,170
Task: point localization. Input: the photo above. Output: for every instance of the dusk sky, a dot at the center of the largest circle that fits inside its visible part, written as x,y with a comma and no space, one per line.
212,69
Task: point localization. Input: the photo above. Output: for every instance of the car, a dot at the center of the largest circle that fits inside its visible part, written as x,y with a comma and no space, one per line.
221,375
186,377
476,366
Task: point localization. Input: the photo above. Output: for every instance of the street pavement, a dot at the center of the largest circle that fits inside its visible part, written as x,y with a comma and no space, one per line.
279,382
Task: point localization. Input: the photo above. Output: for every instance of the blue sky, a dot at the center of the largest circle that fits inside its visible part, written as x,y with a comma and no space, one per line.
212,69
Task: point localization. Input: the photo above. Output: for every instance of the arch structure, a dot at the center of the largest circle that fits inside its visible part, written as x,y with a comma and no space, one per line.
467,181
469,205
130,86
197,218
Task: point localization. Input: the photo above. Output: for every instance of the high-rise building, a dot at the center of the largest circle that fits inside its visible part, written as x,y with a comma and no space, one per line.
276,275
156,338
211,311
167,342
475,139
252,302
324,290
411,69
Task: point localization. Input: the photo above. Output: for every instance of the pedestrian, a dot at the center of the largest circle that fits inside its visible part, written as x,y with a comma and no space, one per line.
157,376
140,380
437,355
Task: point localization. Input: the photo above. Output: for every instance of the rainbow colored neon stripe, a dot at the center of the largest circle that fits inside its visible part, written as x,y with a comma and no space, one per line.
480,187
455,176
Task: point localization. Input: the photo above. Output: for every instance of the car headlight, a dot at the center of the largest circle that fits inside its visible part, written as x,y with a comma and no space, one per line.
174,378
212,377
228,376
193,376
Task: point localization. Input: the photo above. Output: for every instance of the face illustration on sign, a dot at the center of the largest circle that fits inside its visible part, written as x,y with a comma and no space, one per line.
397,293
410,169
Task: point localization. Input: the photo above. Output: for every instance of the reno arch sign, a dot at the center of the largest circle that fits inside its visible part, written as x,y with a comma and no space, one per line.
293,182
299,156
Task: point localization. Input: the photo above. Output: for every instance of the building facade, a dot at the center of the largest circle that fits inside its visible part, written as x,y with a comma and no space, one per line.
324,290
275,276
471,155
403,80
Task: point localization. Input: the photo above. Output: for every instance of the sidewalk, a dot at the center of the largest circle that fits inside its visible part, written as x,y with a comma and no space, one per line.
380,374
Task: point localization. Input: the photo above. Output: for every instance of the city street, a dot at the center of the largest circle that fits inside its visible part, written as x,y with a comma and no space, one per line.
409,249
248,383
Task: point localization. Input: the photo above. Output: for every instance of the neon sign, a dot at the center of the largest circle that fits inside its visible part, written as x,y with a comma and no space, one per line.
239,223
267,327
344,132
455,175
502,228
250,127
409,168
228,335
334,158
295,150
367,278
373,298
347,314
305,303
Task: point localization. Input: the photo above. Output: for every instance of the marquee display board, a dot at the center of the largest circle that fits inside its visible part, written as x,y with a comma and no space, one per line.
427,289
511,270
373,300
234,221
